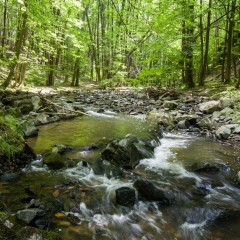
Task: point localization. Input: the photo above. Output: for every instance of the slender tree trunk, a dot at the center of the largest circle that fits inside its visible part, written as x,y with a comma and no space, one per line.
18,45
205,60
201,83
189,45
230,42
4,28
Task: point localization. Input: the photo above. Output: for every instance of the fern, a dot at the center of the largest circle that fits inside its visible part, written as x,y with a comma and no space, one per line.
11,139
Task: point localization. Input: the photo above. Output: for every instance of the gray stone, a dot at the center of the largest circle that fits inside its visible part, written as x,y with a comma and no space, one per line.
237,129
150,192
226,111
31,131
209,107
223,132
216,114
161,117
206,123
128,151
184,124
192,118
226,102
42,118
170,105
28,215
36,102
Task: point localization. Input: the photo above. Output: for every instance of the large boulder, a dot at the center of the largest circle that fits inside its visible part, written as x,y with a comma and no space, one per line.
127,152
150,192
210,106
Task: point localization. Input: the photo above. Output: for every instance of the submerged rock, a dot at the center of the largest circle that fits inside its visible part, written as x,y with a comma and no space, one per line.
204,167
127,152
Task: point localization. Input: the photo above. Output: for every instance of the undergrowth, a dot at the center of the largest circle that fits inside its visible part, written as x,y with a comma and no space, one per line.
11,137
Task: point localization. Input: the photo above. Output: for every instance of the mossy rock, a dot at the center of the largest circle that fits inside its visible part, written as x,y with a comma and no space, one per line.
6,233
27,233
53,160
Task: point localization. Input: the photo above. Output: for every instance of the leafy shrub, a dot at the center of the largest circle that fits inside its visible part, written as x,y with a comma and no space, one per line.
11,138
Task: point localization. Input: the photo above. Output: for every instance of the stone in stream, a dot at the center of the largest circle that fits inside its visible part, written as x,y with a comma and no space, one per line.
204,167
150,192
170,105
29,215
125,196
31,131
223,132
41,119
54,158
30,233
127,152
36,102
161,117
6,233
209,107
206,123
226,102
184,124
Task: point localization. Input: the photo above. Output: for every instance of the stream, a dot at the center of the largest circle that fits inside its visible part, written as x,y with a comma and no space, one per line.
206,202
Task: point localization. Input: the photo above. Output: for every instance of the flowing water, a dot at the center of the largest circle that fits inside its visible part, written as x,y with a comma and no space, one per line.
206,205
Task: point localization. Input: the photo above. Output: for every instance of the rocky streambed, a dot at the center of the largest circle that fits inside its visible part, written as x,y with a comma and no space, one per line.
216,116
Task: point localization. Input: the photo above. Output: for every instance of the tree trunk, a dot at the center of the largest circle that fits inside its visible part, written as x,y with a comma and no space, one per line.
188,54
4,28
21,31
230,42
205,60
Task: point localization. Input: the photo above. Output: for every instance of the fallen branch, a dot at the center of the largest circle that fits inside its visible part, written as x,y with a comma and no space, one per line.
70,110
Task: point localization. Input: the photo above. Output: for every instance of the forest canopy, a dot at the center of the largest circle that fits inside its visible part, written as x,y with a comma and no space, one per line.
119,42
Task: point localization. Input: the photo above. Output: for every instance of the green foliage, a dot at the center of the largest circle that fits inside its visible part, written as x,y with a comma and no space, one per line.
2,214
11,139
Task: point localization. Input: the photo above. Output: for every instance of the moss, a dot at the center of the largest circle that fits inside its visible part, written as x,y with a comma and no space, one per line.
27,232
